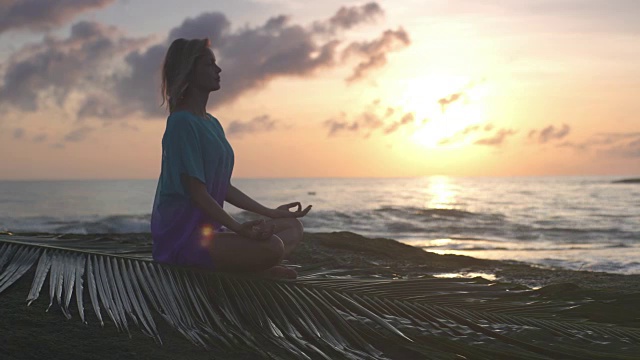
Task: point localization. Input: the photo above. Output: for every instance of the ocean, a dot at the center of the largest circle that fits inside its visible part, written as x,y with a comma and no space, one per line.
587,223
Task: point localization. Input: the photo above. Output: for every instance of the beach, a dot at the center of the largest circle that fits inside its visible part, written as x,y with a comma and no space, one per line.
32,333
465,177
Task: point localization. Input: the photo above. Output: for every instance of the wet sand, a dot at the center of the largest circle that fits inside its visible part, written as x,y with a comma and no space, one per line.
29,332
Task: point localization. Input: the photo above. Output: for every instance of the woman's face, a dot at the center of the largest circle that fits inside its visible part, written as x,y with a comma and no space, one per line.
206,74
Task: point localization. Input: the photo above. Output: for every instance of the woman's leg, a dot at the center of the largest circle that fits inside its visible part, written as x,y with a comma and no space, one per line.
234,253
290,231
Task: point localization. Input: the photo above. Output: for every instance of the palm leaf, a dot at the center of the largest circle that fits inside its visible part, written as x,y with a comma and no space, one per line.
321,315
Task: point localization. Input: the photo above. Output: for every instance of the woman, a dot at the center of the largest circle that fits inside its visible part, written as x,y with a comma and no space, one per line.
188,221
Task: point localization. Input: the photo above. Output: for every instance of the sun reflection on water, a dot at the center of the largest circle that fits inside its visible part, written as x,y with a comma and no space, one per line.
440,193
487,276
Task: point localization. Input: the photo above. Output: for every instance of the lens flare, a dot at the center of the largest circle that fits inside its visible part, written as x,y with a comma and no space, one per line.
206,235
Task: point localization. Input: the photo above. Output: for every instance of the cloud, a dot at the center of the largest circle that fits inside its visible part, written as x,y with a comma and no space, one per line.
119,75
78,135
40,138
549,133
18,133
610,144
60,66
214,25
464,133
455,97
250,57
367,120
573,145
263,123
374,116
375,51
125,125
627,149
609,138
626,145
38,15
497,139
339,125
253,57
445,101
101,105
554,16
371,120
407,119
348,17
599,140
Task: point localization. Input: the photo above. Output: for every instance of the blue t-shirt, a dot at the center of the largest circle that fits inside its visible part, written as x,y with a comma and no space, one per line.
196,147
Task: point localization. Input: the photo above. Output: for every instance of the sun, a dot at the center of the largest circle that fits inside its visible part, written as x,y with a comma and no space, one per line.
464,105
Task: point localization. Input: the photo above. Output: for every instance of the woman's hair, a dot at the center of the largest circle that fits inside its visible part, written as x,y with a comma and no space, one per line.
178,64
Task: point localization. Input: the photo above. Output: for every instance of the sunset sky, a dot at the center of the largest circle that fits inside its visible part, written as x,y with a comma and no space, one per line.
328,88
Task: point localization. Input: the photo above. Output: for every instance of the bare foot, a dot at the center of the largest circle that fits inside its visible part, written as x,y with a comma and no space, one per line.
279,272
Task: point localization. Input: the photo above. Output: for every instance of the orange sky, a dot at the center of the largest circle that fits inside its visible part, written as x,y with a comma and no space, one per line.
530,88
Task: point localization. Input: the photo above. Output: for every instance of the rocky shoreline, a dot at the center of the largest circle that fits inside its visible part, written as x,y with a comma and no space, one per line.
29,332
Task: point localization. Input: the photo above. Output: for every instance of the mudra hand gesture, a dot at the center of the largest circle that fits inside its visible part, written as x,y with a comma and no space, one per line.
256,229
283,211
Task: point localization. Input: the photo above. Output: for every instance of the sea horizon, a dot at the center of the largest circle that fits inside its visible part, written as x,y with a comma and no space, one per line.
633,176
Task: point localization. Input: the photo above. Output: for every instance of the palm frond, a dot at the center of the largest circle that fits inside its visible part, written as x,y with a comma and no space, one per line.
320,315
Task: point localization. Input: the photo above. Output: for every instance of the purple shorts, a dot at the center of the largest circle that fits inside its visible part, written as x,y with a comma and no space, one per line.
197,252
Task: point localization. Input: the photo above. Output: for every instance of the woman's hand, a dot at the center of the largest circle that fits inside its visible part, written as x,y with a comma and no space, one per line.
283,211
256,230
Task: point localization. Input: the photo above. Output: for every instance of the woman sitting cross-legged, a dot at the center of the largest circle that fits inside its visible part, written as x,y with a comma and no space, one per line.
188,223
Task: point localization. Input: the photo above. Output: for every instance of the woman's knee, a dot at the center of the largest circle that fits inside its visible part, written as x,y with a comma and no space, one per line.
294,223
273,250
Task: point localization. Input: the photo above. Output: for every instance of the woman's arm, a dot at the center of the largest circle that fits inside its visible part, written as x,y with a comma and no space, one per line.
202,199
239,199
256,229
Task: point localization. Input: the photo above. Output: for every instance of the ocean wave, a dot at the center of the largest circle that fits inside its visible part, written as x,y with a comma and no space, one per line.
404,227
391,222
579,230
413,222
464,247
432,213
617,246
620,267
458,244
472,247
115,224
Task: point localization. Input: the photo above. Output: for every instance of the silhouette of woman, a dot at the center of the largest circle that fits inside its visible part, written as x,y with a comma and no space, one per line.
188,223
